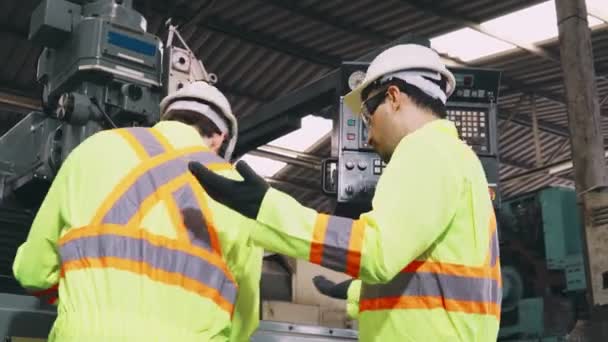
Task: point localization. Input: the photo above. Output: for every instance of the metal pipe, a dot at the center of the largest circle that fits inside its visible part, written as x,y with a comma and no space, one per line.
286,159
291,153
20,101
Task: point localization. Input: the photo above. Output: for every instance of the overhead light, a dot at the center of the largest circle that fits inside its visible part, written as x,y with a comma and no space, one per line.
468,44
264,167
543,16
313,129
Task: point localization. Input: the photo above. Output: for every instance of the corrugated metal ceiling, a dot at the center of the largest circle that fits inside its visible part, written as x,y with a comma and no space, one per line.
264,49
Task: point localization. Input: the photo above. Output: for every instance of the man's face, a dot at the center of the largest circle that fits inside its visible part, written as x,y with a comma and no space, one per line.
381,118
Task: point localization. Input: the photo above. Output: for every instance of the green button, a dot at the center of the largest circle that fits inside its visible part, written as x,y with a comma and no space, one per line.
351,122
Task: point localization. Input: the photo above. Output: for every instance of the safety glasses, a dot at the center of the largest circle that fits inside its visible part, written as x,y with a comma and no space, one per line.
369,106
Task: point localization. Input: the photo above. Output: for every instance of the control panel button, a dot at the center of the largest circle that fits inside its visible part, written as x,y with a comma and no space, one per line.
350,165
351,122
350,136
377,170
362,165
377,162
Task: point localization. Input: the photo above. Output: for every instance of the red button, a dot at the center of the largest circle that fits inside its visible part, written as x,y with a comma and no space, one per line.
350,136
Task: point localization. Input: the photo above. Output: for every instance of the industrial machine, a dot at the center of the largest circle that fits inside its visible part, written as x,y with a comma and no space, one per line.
544,284
99,69
472,108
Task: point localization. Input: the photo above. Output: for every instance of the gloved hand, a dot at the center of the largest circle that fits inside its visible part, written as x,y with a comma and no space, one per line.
330,288
243,196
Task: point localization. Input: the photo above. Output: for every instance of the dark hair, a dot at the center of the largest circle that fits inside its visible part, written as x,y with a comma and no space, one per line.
420,98
205,127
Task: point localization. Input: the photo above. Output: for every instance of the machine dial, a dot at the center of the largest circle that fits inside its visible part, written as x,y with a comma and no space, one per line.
355,79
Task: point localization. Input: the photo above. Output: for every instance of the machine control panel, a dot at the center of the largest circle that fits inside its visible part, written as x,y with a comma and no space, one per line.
473,125
472,108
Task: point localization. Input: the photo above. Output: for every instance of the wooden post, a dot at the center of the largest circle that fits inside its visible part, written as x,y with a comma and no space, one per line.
587,152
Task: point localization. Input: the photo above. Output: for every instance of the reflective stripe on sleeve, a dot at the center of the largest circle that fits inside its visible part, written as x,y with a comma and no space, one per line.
433,285
429,303
337,243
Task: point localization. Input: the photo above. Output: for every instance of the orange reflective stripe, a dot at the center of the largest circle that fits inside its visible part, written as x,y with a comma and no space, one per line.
139,150
156,274
176,218
353,258
161,139
449,269
175,215
156,240
318,237
115,239
427,302
132,177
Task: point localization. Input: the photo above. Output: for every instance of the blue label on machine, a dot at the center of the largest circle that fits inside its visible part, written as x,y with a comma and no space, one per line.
132,44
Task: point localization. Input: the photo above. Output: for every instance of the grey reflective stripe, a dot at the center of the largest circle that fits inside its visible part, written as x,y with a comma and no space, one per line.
160,258
335,245
128,204
147,140
204,158
437,285
494,249
193,217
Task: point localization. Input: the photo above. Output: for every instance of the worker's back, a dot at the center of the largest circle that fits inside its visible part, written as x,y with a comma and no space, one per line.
451,292
145,254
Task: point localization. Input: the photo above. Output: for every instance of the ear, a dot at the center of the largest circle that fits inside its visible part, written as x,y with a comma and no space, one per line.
216,141
394,97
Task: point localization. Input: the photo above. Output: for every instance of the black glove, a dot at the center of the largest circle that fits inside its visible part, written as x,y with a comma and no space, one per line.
331,289
243,196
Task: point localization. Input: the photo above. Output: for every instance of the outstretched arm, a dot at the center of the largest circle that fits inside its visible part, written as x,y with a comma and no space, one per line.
415,200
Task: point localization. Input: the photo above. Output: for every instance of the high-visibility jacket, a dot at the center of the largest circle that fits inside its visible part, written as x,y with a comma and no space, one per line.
427,253
352,299
137,249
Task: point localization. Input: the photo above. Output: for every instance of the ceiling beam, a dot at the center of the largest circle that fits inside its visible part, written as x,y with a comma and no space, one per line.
217,24
263,39
534,87
340,23
543,125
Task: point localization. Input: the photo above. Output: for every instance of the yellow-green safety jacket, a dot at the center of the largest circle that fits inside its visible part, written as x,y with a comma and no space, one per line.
352,299
137,250
427,253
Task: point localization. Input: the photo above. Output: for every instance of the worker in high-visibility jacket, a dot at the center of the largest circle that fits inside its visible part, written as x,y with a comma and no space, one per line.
136,248
427,253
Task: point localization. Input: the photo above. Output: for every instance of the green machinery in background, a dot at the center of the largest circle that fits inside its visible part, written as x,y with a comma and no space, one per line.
542,262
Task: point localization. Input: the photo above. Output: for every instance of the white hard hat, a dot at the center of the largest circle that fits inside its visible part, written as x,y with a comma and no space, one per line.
196,97
397,59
